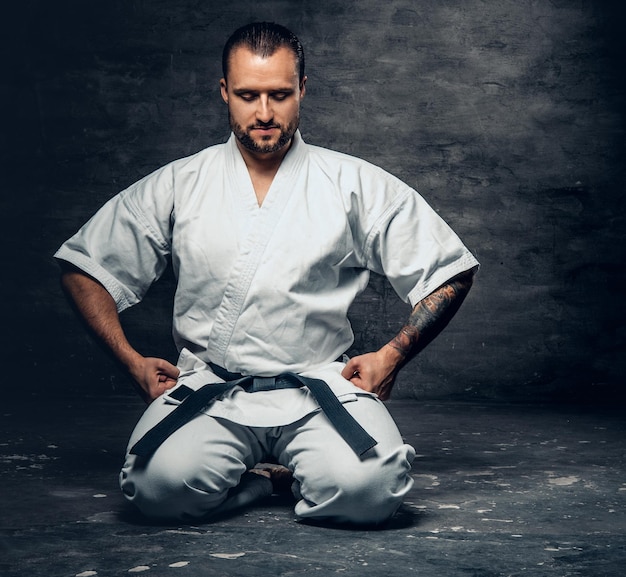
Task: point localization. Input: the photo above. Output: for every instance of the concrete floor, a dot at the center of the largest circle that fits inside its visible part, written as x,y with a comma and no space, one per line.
499,491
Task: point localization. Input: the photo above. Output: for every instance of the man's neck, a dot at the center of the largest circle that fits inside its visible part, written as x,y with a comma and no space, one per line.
260,162
262,168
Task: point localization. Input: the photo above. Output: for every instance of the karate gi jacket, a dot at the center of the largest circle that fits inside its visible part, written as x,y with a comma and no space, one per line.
264,290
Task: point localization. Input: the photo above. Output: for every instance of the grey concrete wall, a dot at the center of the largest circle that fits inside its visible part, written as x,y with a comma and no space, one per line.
508,116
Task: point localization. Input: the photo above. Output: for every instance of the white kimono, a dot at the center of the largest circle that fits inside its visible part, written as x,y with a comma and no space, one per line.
264,290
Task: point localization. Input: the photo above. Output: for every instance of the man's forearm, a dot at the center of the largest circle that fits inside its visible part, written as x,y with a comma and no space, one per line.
98,309
430,316
151,376
376,372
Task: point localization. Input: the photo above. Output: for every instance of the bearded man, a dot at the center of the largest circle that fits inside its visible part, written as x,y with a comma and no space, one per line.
271,240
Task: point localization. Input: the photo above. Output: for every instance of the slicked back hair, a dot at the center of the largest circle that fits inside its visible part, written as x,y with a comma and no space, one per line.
263,39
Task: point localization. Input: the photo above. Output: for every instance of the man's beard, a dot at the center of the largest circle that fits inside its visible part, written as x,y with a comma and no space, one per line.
286,134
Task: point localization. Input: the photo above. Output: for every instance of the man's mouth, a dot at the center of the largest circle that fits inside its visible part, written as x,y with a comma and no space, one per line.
264,128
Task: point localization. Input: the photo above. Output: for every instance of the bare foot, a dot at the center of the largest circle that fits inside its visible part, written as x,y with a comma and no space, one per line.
280,476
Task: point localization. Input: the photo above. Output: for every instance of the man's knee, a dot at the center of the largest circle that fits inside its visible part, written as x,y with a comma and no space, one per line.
171,485
192,473
369,492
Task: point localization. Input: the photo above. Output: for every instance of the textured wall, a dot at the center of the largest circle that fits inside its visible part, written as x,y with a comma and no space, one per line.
508,116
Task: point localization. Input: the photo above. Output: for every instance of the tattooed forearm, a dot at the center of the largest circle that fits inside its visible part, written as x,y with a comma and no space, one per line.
431,315
405,340
429,311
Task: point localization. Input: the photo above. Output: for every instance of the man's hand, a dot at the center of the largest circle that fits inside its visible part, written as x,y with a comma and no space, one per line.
376,372
373,372
153,376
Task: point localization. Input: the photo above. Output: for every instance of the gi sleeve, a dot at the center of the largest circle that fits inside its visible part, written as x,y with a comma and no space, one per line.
126,244
415,249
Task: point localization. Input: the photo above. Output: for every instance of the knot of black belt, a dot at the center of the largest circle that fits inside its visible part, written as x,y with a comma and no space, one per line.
357,438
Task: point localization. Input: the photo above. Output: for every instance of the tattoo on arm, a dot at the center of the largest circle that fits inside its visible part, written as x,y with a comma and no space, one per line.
405,340
431,315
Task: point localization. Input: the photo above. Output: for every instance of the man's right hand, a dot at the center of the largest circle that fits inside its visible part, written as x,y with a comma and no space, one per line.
97,307
153,376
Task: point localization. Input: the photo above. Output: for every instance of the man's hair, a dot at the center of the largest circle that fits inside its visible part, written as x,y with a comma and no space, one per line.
263,38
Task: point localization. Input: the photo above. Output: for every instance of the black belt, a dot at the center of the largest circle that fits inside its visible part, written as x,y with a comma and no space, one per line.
345,424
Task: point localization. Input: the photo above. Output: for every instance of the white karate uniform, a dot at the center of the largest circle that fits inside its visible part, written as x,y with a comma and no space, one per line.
265,290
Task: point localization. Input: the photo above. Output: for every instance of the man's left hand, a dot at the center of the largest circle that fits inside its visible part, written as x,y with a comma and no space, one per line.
373,372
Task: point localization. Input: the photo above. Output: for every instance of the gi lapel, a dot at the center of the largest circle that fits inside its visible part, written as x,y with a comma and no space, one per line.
259,224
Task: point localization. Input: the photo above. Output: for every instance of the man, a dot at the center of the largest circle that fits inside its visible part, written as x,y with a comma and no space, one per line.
271,240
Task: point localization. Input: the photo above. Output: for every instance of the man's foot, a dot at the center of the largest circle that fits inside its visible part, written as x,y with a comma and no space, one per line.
280,476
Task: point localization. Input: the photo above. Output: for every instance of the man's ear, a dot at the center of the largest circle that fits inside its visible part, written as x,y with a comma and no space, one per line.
224,90
303,88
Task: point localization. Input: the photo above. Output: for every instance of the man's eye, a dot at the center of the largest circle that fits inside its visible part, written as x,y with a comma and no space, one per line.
279,95
247,97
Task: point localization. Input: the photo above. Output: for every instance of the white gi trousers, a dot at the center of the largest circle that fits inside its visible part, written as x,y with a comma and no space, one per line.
200,470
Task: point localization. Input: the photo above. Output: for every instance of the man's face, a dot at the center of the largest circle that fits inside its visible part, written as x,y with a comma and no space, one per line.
263,97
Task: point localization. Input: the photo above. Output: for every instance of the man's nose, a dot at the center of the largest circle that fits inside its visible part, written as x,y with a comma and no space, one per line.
264,112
